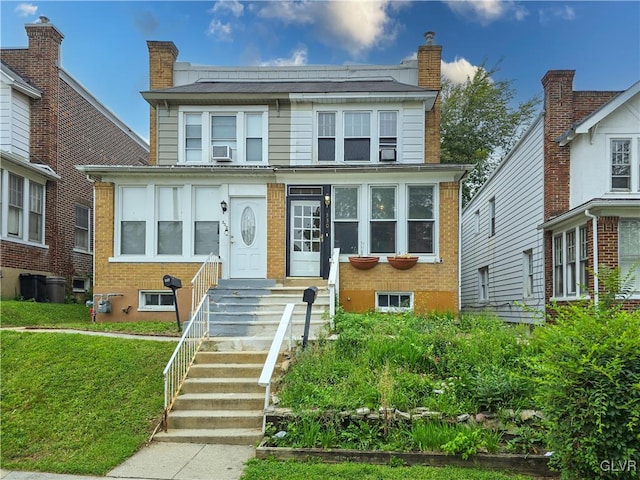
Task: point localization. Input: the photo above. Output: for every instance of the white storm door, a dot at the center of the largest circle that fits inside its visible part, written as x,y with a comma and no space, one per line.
305,238
248,237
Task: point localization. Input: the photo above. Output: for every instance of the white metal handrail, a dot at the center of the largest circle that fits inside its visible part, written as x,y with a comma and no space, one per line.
333,283
272,356
176,370
206,277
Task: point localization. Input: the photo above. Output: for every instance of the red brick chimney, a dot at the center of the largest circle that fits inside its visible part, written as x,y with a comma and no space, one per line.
558,117
162,56
429,61
42,63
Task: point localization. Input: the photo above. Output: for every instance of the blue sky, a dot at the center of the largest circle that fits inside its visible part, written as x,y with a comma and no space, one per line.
105,42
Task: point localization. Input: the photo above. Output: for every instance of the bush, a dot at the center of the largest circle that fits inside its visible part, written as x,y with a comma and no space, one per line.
589,387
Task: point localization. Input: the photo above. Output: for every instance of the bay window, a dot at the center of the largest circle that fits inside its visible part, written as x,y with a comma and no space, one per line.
16,202
22,211
570,262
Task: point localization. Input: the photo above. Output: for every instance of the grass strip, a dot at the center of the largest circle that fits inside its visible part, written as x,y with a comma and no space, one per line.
292,470
77,404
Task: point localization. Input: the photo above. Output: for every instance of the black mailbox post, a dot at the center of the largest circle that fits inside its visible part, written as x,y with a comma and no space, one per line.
174,283
309,296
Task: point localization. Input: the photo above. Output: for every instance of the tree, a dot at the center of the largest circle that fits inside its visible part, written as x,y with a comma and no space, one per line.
479,126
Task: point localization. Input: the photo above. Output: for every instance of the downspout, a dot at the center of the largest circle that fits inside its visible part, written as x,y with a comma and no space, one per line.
594,229
460,245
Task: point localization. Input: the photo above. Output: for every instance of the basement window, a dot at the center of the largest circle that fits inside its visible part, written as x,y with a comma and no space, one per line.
394,301
156,301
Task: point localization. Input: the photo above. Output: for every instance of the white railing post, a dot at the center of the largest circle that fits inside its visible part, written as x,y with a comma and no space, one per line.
333,283
272,357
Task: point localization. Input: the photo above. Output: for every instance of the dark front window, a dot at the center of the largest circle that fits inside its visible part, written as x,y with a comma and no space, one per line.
421,220
383,220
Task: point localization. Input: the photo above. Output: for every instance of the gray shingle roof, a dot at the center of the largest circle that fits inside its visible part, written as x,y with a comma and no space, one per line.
349,86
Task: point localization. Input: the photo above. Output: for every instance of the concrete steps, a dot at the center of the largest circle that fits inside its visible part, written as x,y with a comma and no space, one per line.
220,400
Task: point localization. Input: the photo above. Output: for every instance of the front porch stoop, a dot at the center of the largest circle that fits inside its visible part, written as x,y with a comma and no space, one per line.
220,401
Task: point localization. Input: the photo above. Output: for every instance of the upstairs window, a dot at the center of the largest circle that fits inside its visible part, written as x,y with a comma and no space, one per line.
326,136
492,217
621,164
357,136
388,136
223,137
253,130
193,137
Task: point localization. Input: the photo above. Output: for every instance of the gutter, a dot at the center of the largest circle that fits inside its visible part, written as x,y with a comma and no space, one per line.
594,229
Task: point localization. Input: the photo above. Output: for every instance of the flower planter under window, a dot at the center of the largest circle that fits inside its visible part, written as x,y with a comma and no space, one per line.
364,263
402,262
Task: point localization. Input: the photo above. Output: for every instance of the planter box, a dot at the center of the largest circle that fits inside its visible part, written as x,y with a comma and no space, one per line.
364,263
536,465
402,263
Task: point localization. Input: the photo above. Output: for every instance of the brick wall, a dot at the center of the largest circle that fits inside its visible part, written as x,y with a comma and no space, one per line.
67,131
276,241
429,64
162,56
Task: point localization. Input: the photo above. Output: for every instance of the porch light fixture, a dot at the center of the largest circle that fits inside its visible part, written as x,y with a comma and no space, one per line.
223,205
327,200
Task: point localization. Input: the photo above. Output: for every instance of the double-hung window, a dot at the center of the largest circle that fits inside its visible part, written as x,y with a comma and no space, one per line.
584,259
193,137
81,228
570,262
133,220
345,217
253,130
206,227
36,209
169,214
326,136
223,137
383,220
357,136
16,202
629,251
483,284
421,219
558,266
621,164
387,136
527,273
492,217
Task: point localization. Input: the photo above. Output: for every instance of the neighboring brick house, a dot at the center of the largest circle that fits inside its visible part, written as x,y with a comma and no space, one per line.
271,168
49,124
564,201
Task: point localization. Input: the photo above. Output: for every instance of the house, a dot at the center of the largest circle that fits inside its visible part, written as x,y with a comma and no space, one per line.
271,168
563,202
48,124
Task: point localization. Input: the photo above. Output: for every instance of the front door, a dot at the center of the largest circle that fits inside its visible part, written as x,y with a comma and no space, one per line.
305,242
248,237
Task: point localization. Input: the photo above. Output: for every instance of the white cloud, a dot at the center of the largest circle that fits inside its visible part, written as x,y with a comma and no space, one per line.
220,30
234,7
298,57
355,25
459,70
26,9
556,13
487,11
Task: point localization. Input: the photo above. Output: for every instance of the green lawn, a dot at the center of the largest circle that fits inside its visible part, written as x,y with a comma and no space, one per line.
290,470
78,404
73,316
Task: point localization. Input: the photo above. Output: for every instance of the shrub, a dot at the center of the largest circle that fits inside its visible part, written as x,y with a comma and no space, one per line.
589,386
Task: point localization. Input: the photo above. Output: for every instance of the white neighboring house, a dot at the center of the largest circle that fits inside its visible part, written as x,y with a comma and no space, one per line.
564,201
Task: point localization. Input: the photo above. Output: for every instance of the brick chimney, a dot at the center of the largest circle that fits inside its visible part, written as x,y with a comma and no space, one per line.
42,63
162,56
429,60
558,117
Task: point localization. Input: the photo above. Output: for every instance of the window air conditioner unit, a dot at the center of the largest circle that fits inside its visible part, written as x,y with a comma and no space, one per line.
387,154
221,153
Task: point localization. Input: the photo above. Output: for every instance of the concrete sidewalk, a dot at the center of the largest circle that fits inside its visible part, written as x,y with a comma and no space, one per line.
167,461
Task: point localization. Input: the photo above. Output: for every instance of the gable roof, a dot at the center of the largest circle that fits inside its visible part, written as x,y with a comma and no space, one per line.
587,123
18,82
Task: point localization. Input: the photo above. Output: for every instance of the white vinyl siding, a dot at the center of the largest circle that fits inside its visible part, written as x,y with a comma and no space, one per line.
14,121
519,178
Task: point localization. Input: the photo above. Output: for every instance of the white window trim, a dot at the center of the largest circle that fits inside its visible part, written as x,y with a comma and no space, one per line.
402,213
578,295
237,110
395,309
24,238
634,163
483,285
491,216
75,225
374,133
143,307
151,222
528,274
84,280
